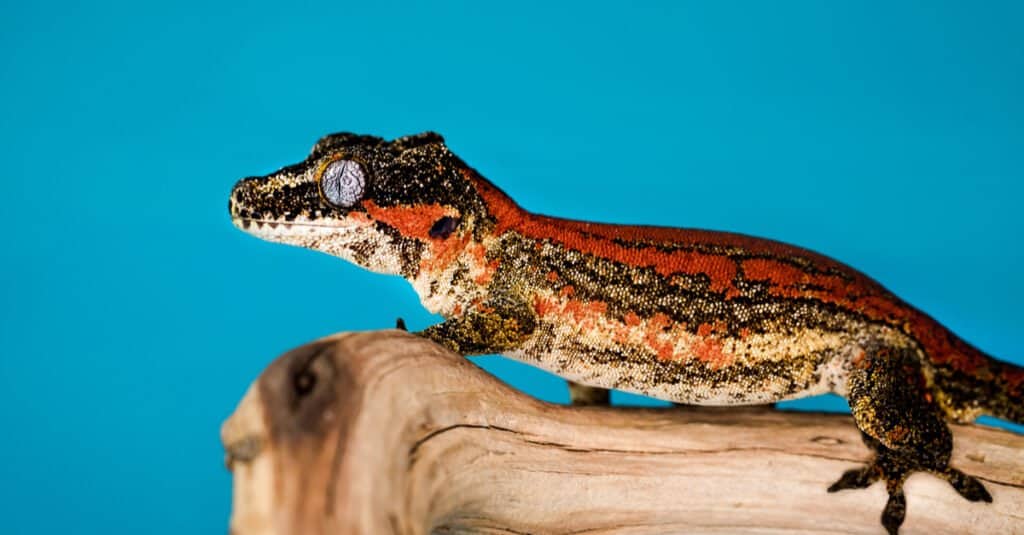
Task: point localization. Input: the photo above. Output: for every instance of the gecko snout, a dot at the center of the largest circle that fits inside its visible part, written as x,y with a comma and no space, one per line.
282,197
242,199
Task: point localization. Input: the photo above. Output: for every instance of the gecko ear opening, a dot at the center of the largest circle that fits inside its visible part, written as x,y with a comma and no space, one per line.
444,227
405,143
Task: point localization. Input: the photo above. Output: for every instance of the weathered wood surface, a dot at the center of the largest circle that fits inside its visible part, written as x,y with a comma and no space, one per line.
387,433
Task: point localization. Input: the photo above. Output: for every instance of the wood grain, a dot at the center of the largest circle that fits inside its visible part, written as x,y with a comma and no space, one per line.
397,435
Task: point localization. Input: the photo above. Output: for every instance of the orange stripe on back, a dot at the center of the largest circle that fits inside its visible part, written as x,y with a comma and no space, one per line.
835,283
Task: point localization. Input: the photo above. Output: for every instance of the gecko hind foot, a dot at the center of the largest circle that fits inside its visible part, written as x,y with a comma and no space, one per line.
893,467
895,510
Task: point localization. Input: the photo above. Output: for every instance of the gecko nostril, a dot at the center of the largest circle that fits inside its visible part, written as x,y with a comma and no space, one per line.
234,200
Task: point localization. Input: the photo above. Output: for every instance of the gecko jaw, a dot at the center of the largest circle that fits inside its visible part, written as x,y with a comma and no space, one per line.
297,231
358,242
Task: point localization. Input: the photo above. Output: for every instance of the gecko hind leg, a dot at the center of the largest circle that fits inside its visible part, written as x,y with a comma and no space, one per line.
583,395
906,430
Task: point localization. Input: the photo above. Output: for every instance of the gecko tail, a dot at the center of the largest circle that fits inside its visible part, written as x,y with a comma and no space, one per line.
988,386
1008,401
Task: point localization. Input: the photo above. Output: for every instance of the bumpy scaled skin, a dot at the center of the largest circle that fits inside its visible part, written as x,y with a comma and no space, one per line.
689,316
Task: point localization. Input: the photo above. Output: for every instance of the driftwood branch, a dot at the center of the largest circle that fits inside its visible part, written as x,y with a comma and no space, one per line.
384,432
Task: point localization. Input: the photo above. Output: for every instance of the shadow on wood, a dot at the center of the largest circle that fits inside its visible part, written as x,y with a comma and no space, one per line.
385,432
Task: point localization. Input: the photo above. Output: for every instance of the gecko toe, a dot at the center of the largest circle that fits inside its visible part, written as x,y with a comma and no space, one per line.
858,478
895,511
879,469
968,487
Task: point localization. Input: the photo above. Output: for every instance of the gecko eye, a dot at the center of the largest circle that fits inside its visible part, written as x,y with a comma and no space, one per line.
343,183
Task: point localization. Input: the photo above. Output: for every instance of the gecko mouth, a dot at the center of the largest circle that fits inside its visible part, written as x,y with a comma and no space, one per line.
246,223
302,232
346,238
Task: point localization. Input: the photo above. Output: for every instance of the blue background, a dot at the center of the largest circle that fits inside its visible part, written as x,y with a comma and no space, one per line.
134,314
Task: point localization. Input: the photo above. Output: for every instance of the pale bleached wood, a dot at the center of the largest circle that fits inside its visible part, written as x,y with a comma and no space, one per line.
406,437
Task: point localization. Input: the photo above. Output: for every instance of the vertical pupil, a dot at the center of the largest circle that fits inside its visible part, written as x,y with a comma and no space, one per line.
343,183
339,179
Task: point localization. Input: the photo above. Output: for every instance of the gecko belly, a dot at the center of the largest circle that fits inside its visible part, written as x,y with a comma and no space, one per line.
589,361
708,365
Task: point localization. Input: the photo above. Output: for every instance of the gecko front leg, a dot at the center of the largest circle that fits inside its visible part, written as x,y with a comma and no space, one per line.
482,332
479,333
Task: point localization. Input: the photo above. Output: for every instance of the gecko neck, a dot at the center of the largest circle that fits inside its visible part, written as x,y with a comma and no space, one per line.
453,275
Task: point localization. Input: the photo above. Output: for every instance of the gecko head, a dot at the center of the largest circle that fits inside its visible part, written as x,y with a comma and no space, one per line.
380,204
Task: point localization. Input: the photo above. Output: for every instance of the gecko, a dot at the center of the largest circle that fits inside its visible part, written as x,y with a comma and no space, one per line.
684,315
